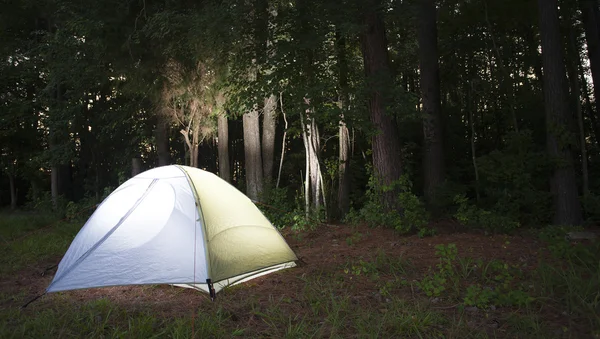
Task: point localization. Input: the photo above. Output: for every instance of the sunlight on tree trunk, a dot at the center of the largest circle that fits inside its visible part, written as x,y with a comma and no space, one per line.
591,23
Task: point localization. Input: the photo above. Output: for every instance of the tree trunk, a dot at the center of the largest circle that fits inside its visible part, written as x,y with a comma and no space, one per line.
573,73
252,155
563,183
162,140
343,194
136,166
433,157
386,146
268,137
283,142
13,191
588,104
315,168
591,22
223,146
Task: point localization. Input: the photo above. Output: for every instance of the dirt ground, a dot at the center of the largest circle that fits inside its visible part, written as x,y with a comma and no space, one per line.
323,251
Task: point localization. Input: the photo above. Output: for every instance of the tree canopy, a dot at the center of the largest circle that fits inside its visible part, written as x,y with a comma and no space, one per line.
388,112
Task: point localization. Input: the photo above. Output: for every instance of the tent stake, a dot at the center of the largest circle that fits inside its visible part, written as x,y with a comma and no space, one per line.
211,290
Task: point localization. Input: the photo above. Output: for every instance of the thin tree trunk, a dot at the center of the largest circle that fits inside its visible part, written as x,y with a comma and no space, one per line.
162,140
268,137
343,175
470,108
13,191
307,170
223,147
315,170
252,155
563,183
591,22
386,146
136,166
343,194
433,158
283,145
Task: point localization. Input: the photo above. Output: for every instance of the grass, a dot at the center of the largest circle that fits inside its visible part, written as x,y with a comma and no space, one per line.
368,294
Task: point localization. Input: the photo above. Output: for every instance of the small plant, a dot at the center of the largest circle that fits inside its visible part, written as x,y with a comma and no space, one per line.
478,296
433,284
354,238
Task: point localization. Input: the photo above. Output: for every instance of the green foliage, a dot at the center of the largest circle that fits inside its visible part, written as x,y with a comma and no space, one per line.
514,181
414,216
495,284
477,218
591,207
32,238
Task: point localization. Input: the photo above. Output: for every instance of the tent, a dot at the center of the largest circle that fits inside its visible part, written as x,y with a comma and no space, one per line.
174,225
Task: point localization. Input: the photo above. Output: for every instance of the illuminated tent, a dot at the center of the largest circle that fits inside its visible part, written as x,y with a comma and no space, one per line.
173,225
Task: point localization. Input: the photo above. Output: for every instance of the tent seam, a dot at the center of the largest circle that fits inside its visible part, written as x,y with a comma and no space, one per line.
106,236
202,222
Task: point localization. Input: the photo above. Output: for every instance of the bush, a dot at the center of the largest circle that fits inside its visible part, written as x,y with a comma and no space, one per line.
490,221
414,216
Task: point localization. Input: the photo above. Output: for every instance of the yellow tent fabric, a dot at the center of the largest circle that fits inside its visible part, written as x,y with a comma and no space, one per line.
239,238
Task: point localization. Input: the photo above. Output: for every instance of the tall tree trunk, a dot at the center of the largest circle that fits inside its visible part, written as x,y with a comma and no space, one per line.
386,146
343,194
591,22
162,140
13,191
573,73
252,155
223,146
433,158
563,183
268,137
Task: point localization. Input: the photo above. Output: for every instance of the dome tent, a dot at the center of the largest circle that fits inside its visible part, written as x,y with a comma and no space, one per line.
174,225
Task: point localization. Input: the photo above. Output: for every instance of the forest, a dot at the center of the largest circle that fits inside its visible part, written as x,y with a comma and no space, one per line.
416,118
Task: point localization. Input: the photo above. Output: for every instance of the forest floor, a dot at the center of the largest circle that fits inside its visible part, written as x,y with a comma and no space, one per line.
352,282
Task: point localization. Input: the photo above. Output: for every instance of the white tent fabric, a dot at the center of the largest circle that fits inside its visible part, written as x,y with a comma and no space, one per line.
173,225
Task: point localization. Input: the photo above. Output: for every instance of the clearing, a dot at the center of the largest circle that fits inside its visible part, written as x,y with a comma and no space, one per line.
353,282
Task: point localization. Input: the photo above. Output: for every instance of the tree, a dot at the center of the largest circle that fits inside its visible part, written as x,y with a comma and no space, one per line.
252,154
433,153
591,23
563,184
386,148
268,137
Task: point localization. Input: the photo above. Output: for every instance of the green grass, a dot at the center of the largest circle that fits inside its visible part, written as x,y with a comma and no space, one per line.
29,239
375,295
